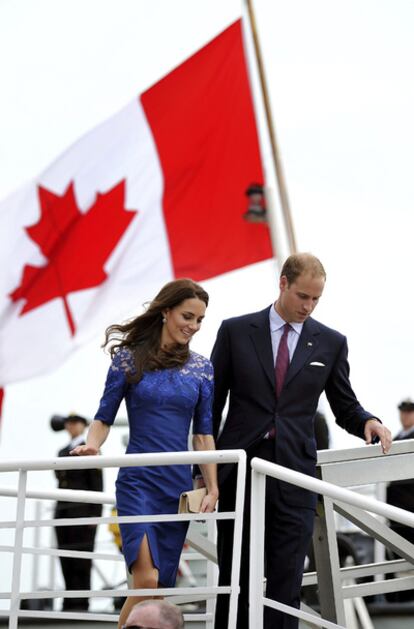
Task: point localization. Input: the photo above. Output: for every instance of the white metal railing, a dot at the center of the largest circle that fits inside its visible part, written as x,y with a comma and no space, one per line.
354,468
130,460
261,469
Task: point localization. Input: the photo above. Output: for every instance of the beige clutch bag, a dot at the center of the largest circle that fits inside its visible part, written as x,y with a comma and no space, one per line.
190,501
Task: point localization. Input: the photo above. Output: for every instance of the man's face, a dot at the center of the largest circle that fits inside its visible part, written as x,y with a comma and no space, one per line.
74,428
298,300
407,419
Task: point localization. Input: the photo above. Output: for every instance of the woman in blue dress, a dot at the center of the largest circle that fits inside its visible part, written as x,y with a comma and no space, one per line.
165,387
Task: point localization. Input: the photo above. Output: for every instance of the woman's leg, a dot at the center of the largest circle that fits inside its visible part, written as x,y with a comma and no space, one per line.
144,575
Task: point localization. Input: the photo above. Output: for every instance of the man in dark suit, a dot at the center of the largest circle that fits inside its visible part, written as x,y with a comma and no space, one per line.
275,364
77,572
400,493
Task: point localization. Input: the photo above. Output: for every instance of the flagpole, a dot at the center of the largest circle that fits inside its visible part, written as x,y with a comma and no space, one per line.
277,163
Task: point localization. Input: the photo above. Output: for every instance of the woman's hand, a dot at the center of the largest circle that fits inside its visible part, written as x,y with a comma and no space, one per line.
209,472
209,502
83,450
97,433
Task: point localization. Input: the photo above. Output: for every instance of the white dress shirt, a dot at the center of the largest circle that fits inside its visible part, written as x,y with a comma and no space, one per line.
276,330
76,441
403,434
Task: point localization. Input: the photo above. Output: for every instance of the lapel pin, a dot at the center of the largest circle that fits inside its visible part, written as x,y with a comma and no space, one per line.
310,344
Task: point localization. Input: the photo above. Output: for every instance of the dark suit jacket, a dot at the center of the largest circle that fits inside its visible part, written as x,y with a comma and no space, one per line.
243,365
400,493
90,480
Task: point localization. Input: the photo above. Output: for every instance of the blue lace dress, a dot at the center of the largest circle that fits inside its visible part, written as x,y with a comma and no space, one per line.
160,408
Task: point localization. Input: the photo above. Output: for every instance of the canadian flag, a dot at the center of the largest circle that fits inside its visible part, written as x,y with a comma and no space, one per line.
155,192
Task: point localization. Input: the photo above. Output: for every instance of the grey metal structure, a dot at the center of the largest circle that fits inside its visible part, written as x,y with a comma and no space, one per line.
353,468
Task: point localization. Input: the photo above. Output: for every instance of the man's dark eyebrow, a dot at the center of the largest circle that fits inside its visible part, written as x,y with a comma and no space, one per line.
301,293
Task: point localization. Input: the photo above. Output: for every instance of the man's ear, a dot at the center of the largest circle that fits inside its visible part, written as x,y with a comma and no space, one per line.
283,283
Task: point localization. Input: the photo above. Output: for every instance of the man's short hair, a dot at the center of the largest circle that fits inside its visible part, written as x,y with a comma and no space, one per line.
170,615
299,263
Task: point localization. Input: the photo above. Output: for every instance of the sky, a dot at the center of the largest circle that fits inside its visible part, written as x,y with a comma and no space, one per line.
342,96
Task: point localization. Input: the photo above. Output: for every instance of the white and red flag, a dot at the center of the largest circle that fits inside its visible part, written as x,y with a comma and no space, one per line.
155,192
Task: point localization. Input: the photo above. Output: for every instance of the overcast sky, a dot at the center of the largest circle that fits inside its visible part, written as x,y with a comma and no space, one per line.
340,79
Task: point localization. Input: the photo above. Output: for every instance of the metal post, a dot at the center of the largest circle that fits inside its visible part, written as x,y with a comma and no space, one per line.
53,561
258,69
379,549
237,540
327,564
280,244
36,544
211,576
257,527
18,544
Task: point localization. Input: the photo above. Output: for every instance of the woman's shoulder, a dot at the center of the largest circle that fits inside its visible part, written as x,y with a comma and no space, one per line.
201,365
123,360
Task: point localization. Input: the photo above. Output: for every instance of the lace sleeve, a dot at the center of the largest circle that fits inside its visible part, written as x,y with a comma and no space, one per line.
115,386
202,423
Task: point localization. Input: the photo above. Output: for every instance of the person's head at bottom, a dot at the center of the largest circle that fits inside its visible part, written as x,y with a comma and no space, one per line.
406,408
155,614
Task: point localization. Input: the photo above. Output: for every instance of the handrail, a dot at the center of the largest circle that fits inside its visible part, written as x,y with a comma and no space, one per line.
125,460
337,455
333,491
65,495
261,469
355,468
24,466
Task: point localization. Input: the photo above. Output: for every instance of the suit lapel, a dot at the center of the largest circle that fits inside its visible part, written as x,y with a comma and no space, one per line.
262,341
307,344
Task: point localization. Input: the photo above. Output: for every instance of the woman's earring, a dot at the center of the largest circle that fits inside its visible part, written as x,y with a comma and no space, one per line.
164,320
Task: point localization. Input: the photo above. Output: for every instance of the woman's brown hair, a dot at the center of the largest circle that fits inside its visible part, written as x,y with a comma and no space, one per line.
143,333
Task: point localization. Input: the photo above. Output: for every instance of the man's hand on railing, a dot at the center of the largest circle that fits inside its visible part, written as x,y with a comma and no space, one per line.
375,431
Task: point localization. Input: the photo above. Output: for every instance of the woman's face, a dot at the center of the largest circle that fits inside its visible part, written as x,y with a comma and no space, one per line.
182,322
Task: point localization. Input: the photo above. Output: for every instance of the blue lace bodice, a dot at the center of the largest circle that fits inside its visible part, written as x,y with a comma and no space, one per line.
162,404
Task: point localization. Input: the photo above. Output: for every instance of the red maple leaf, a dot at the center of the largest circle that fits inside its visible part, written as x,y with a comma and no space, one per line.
75,244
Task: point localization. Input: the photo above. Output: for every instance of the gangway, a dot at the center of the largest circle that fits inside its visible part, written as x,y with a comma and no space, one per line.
337,585
183,594
339,469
